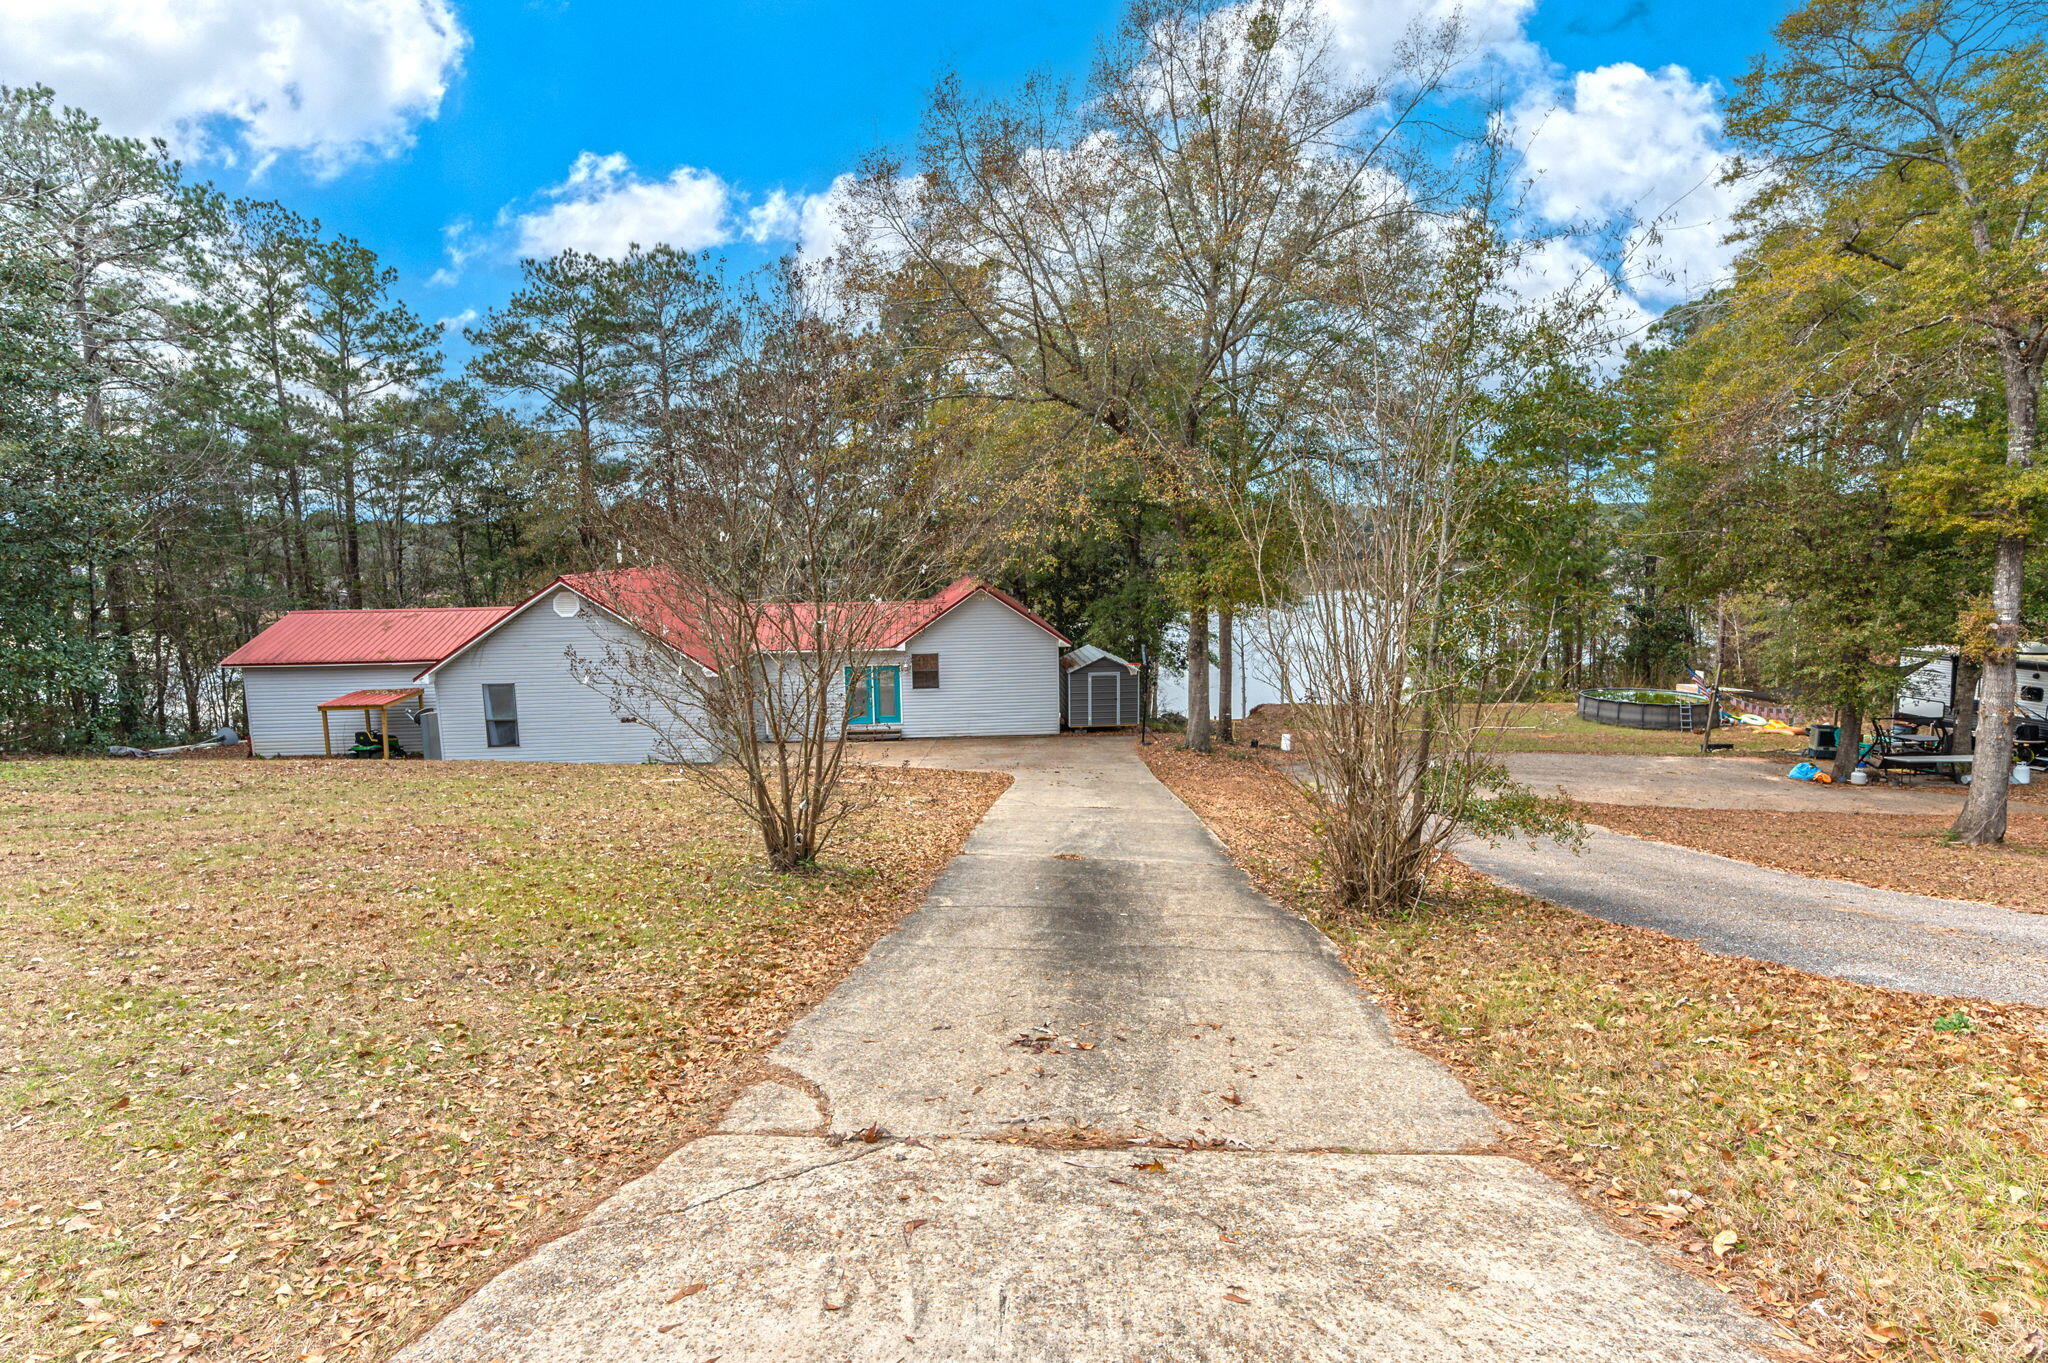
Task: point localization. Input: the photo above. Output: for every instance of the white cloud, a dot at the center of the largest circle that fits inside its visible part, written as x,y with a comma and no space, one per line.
463,244
603,206
466,317
816,223
1646,147
334,81
1368,33
1556,272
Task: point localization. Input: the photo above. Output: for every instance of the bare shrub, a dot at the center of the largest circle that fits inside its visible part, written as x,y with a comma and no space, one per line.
1397,657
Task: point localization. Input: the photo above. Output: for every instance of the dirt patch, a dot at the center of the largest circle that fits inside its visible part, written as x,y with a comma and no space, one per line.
1907,852
294,1055
1865,1167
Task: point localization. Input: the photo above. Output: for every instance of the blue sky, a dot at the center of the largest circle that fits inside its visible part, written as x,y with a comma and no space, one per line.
449,134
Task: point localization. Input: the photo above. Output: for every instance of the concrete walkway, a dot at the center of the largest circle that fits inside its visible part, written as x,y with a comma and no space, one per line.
1092,970
1829,927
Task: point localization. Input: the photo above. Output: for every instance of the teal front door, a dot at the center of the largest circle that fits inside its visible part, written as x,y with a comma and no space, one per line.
872,696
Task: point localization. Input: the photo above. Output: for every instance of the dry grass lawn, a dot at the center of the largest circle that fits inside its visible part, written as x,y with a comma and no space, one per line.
294,1054
1909,852
1869,1168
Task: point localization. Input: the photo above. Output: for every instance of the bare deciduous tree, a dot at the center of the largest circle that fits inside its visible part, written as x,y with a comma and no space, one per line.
1169,257
813,506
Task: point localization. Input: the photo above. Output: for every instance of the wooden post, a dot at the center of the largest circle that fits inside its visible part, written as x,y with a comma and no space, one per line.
326,736
384,730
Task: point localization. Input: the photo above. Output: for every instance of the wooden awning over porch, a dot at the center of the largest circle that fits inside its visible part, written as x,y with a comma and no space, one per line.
379,702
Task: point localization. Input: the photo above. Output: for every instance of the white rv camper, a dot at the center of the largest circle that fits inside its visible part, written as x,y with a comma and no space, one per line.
1927,693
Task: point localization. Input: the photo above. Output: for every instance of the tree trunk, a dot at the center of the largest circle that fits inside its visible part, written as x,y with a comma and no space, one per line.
351,533
351,543
1225,663
301,546
127,671
586,483
1849,720
1983,816
1198,678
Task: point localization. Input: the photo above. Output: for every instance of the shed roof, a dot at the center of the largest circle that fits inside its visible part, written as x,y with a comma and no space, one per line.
335,638
1089,653
370,700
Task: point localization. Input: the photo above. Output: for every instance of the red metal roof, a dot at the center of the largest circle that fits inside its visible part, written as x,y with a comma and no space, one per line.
655,600
650,598
368,700
313,638
912,616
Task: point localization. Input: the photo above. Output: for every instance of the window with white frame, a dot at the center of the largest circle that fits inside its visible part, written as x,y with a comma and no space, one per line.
501,715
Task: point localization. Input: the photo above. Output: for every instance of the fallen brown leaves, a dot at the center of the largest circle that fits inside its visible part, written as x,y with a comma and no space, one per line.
295,1054
1889,851
1866,1167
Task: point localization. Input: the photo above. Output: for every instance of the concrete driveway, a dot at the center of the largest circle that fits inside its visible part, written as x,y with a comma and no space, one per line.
1721,782
945,1163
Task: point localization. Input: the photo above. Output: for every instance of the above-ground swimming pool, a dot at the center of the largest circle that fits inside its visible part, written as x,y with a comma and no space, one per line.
1645,709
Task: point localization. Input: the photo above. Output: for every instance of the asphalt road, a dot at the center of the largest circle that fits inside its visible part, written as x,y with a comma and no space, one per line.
1829,927
1723,782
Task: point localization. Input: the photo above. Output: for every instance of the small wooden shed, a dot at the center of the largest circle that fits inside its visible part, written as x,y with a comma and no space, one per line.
1098,690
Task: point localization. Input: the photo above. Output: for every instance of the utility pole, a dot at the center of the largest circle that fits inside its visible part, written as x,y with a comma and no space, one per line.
1714,688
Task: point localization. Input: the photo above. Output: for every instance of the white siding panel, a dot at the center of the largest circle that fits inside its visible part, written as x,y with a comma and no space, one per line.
561,719
999,674
790,678
282,701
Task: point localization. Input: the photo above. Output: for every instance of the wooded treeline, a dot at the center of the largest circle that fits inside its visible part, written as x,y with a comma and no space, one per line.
211,410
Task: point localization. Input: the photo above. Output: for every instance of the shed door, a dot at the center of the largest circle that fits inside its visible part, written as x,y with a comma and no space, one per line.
1102,705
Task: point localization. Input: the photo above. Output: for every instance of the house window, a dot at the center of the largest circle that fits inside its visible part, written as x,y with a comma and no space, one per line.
2030,693
501,715
924,671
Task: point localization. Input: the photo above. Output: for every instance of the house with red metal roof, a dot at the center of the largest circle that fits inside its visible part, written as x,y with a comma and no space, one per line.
512,683
312,659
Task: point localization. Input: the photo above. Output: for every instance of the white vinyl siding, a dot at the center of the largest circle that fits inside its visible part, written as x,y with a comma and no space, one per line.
999,674
284,719
561,719
791,678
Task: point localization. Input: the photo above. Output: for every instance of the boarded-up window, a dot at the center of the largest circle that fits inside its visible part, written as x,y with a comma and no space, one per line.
924,671
501,715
